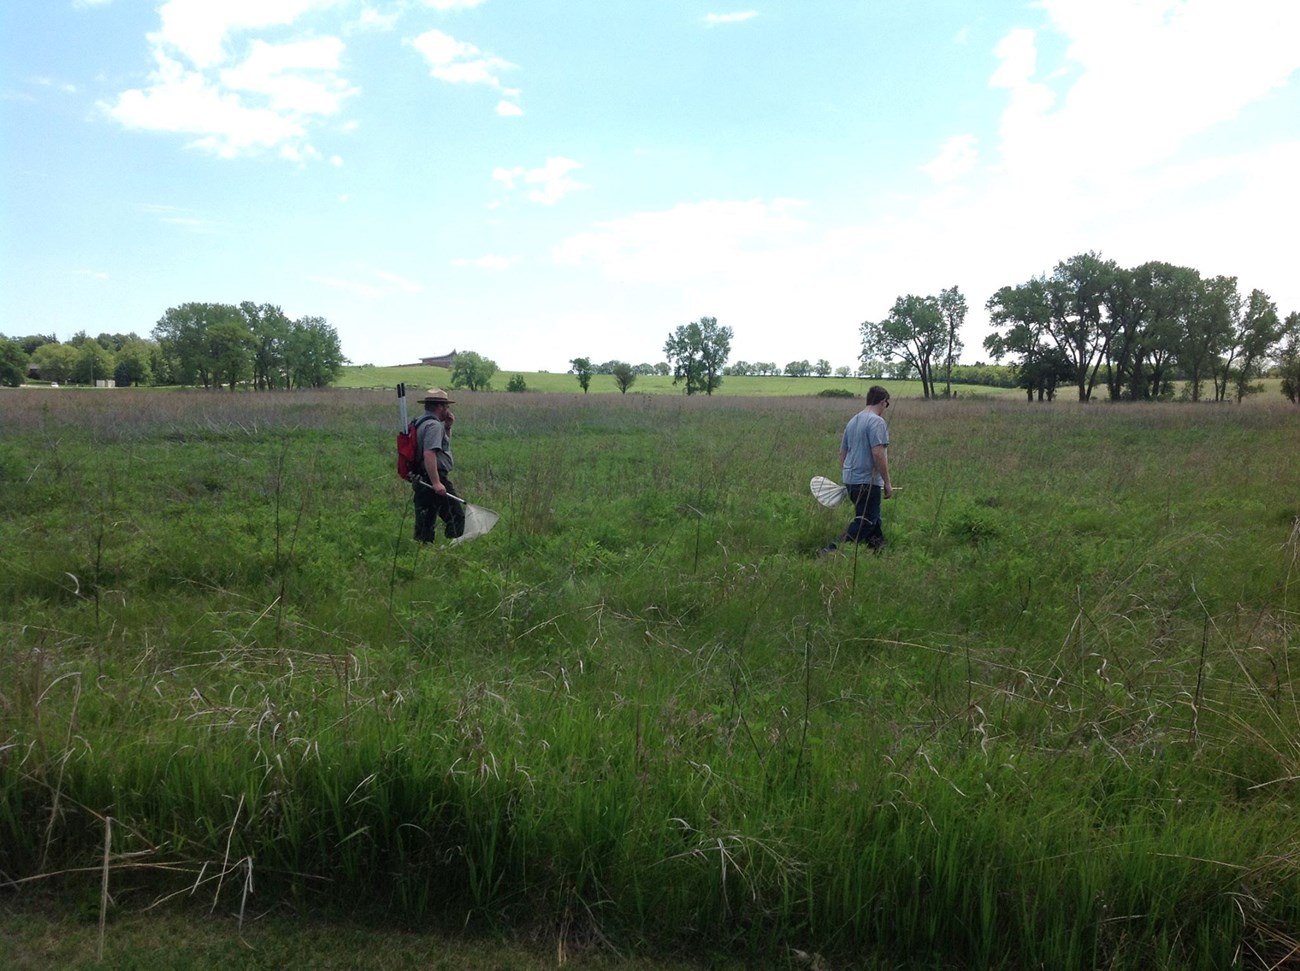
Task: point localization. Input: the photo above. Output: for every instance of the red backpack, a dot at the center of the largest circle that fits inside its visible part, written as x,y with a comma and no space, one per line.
410,461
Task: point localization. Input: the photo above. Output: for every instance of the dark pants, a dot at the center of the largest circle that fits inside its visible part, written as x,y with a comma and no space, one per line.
430,507
866,524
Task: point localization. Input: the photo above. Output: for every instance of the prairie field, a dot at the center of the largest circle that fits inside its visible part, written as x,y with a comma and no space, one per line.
367,377
1054,724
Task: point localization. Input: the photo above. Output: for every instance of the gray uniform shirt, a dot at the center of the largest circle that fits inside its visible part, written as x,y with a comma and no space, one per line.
433,435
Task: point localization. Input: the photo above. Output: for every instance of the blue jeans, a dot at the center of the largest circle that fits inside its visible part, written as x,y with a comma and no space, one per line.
865,527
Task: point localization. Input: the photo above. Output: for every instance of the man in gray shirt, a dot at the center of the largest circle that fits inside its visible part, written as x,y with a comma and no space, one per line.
433,489
865,463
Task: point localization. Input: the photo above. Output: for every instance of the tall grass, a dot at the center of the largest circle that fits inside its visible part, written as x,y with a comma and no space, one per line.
1055,724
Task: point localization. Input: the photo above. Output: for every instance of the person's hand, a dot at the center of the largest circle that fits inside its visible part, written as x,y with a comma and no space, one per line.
889,491
448,420
439,488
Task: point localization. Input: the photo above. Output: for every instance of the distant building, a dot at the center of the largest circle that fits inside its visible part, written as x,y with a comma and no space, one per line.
446,360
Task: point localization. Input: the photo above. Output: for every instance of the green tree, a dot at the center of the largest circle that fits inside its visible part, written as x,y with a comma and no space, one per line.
270,330
162,366
683,351
230,351
1257,334
624,376
715,348
953,307
55,361
13,363
473,371
1020,315
914,331
134,363
698,352
517,384
33,341
1206,330
1078,322
93,363
822,368
582,368
181,334
1289,359
799,369
313,356
1147,310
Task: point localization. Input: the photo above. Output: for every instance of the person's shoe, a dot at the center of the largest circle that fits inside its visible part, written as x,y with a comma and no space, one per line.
827,550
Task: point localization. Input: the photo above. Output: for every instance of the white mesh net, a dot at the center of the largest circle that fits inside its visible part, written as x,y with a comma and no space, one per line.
477,522
827,491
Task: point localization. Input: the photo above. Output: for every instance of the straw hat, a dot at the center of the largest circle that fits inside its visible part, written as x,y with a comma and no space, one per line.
435,396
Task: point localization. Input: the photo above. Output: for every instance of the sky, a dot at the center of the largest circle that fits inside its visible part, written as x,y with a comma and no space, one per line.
539,180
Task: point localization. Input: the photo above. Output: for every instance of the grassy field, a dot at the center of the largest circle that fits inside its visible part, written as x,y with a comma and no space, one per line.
1054,725
377,378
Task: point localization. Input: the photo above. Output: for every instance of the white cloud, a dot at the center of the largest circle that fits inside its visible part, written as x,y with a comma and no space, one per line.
268,98
691,241
282,72
198,29
487,262
387,284
64,86
448,5
399,282
458,62
176,216
958,156
373,19
552,182
87,4
1143,76
508,109
730,18
185,101
93,274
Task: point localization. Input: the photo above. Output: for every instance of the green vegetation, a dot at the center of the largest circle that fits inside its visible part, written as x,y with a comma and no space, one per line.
473,372
1054,725
735,386
209,344
697,352
1135,331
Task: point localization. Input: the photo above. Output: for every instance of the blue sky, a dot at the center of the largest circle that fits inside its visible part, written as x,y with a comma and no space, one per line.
538,180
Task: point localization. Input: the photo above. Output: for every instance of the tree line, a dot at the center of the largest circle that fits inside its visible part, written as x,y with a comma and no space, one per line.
215,344
208,344
1096,326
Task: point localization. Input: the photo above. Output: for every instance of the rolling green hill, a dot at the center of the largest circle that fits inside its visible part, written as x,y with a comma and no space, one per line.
418,377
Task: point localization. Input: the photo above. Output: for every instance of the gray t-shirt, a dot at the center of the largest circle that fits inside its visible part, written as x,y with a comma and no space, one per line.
433,435
864,432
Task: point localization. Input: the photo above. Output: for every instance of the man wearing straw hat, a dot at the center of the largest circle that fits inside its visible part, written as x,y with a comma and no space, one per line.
433,489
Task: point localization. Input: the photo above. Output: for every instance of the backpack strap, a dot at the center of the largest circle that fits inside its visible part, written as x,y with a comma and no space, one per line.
419,452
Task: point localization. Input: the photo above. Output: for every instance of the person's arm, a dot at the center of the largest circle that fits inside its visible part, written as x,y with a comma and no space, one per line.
431,471
880,458
844,453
